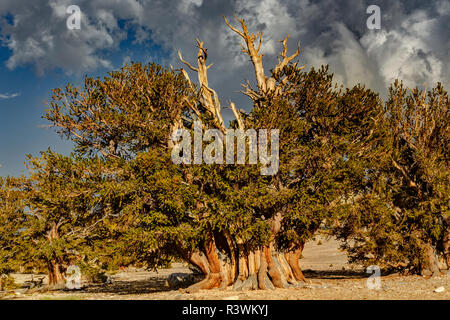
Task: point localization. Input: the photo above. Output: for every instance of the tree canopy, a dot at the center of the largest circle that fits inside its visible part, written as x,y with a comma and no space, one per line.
374,174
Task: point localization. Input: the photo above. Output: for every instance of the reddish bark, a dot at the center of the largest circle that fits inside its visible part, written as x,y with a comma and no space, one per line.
293,257
225,262
447,249
215,277
446,241
273,271
429,265
54,266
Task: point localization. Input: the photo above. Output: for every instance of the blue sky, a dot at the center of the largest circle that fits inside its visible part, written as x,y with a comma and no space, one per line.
20,117
22,129
38,52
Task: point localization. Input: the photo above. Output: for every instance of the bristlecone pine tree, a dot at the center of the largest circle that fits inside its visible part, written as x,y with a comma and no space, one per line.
237,227
376,176
63,200
402,221
11,223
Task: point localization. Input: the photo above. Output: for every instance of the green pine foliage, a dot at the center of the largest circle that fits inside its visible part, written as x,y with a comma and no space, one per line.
402,220
12,218
376,176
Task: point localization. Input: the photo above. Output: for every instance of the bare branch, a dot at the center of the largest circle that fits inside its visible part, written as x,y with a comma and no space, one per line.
186,63
237,115
412,184
267,86
185,74
285,60
208,97
252,51
249,92
233,28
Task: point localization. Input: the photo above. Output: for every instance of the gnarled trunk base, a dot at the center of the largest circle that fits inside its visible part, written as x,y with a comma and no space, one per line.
446,242
430,266
246,269
55,276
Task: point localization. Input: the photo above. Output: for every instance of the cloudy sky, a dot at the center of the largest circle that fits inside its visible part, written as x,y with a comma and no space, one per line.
38,52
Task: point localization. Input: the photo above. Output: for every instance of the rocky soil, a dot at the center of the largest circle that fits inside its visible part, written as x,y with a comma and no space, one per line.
325,266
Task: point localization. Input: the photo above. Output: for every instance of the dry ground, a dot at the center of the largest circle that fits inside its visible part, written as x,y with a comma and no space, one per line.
329,277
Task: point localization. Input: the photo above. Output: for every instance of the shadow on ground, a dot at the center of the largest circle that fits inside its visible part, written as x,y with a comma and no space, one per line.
334,274
127,287
158,284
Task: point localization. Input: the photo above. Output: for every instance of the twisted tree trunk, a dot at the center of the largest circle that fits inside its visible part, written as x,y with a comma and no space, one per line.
230,262
447,249
446,241
430,265
223,260
54,266
55,276
262,268
292,258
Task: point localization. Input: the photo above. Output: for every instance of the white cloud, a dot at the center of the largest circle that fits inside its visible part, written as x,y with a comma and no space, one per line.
188,6
9,95
126,60
270,16
406,53
347,59
39,36
413,43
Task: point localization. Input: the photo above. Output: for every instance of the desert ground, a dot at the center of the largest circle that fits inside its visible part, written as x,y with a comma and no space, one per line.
324,265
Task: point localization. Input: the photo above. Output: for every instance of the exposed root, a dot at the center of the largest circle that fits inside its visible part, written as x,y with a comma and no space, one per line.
245,268
212,281
292,258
